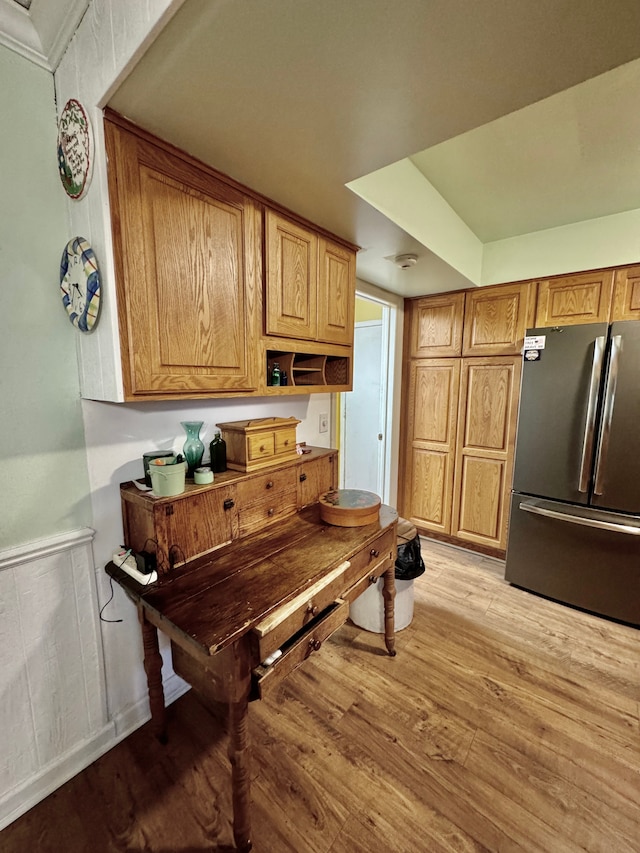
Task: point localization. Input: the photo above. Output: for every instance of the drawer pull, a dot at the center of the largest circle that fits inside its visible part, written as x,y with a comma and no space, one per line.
286,443
372,579
303,477
228,504
314,645
269,484
312,609
262,448
270,511
374,553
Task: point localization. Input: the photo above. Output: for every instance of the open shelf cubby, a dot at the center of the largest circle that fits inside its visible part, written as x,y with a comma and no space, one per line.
309,369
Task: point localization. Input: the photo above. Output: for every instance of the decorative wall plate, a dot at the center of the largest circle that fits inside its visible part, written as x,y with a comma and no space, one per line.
80,284
75,149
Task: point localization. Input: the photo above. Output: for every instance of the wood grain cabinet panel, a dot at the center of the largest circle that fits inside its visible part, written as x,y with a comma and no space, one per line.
291,253
626,294
496,319
430,447
574,299
489,389
336,293
185,244
435,324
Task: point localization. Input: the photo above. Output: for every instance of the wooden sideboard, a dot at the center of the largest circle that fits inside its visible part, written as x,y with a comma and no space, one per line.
284,588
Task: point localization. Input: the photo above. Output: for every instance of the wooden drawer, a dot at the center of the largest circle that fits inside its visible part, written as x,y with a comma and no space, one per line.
260,446
371,560
299,647
285,441
371,577
291,617
260,488
257,515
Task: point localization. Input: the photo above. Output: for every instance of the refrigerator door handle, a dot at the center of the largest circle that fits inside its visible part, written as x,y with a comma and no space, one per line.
592,408
607,414
577,519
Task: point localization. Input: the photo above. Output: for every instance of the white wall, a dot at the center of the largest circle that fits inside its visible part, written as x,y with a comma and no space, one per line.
45,486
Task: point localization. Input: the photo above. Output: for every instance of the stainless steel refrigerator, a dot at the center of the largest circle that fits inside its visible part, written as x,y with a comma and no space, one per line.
574,525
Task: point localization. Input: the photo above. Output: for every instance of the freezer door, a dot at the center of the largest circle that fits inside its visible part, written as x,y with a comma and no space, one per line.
617,465
576,555
558,412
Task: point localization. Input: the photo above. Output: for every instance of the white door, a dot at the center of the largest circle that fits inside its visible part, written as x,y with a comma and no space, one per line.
363,412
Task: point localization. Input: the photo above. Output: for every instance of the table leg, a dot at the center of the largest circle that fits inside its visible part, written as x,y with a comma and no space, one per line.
239,755
389,594
153,668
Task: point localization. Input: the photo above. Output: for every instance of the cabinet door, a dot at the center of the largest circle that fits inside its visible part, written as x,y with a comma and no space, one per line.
291,255
496,319
185,245
316,477
574,299
435,325
430,443
188,528
489,390
626,294
336,293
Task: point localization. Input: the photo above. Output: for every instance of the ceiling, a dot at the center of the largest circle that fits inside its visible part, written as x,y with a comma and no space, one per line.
40,30
519,115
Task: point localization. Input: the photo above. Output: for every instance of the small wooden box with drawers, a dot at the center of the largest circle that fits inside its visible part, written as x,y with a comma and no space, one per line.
259,443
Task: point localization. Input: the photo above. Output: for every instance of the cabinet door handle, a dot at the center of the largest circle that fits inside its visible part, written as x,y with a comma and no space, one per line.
314,644
303,477
312,609
270,511
269,484
229,503
374,553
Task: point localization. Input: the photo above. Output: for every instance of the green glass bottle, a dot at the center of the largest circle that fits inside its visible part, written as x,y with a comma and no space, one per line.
275,374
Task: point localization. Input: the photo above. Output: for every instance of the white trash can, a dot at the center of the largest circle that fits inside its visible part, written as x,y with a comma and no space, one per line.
367,611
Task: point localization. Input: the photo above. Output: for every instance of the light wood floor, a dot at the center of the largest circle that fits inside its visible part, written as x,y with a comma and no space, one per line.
505,723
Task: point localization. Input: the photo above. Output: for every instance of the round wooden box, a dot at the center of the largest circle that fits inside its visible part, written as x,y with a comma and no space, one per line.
349,507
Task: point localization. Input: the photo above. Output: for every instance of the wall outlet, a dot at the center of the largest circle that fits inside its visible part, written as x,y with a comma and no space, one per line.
323,424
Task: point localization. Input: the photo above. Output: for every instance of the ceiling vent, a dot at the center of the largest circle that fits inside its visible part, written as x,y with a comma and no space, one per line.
405,261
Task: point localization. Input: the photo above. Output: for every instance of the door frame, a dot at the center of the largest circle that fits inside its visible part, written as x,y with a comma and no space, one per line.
390,363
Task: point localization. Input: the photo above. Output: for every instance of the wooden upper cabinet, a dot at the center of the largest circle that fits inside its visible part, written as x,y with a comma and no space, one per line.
436,325
185,244
291,272
336,293
626,294
310,284
496,319
488,411
575,299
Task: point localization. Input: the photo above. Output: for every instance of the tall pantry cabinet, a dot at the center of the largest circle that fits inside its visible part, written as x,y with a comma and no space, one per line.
461,385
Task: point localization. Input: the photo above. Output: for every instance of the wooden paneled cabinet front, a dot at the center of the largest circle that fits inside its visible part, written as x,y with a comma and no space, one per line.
310,284
460,412
203,518
185,243
571,300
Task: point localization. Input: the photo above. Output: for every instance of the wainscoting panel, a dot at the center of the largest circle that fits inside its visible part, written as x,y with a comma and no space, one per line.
53,714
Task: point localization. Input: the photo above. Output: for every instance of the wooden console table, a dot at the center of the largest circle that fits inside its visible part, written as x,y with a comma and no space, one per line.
285,588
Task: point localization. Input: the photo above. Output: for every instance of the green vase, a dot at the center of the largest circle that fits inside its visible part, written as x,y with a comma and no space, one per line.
193,448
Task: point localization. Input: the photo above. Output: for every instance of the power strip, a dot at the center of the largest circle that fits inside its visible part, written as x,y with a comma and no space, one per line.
127,562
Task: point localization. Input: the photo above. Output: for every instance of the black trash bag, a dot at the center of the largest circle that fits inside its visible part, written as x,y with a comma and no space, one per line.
409,562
